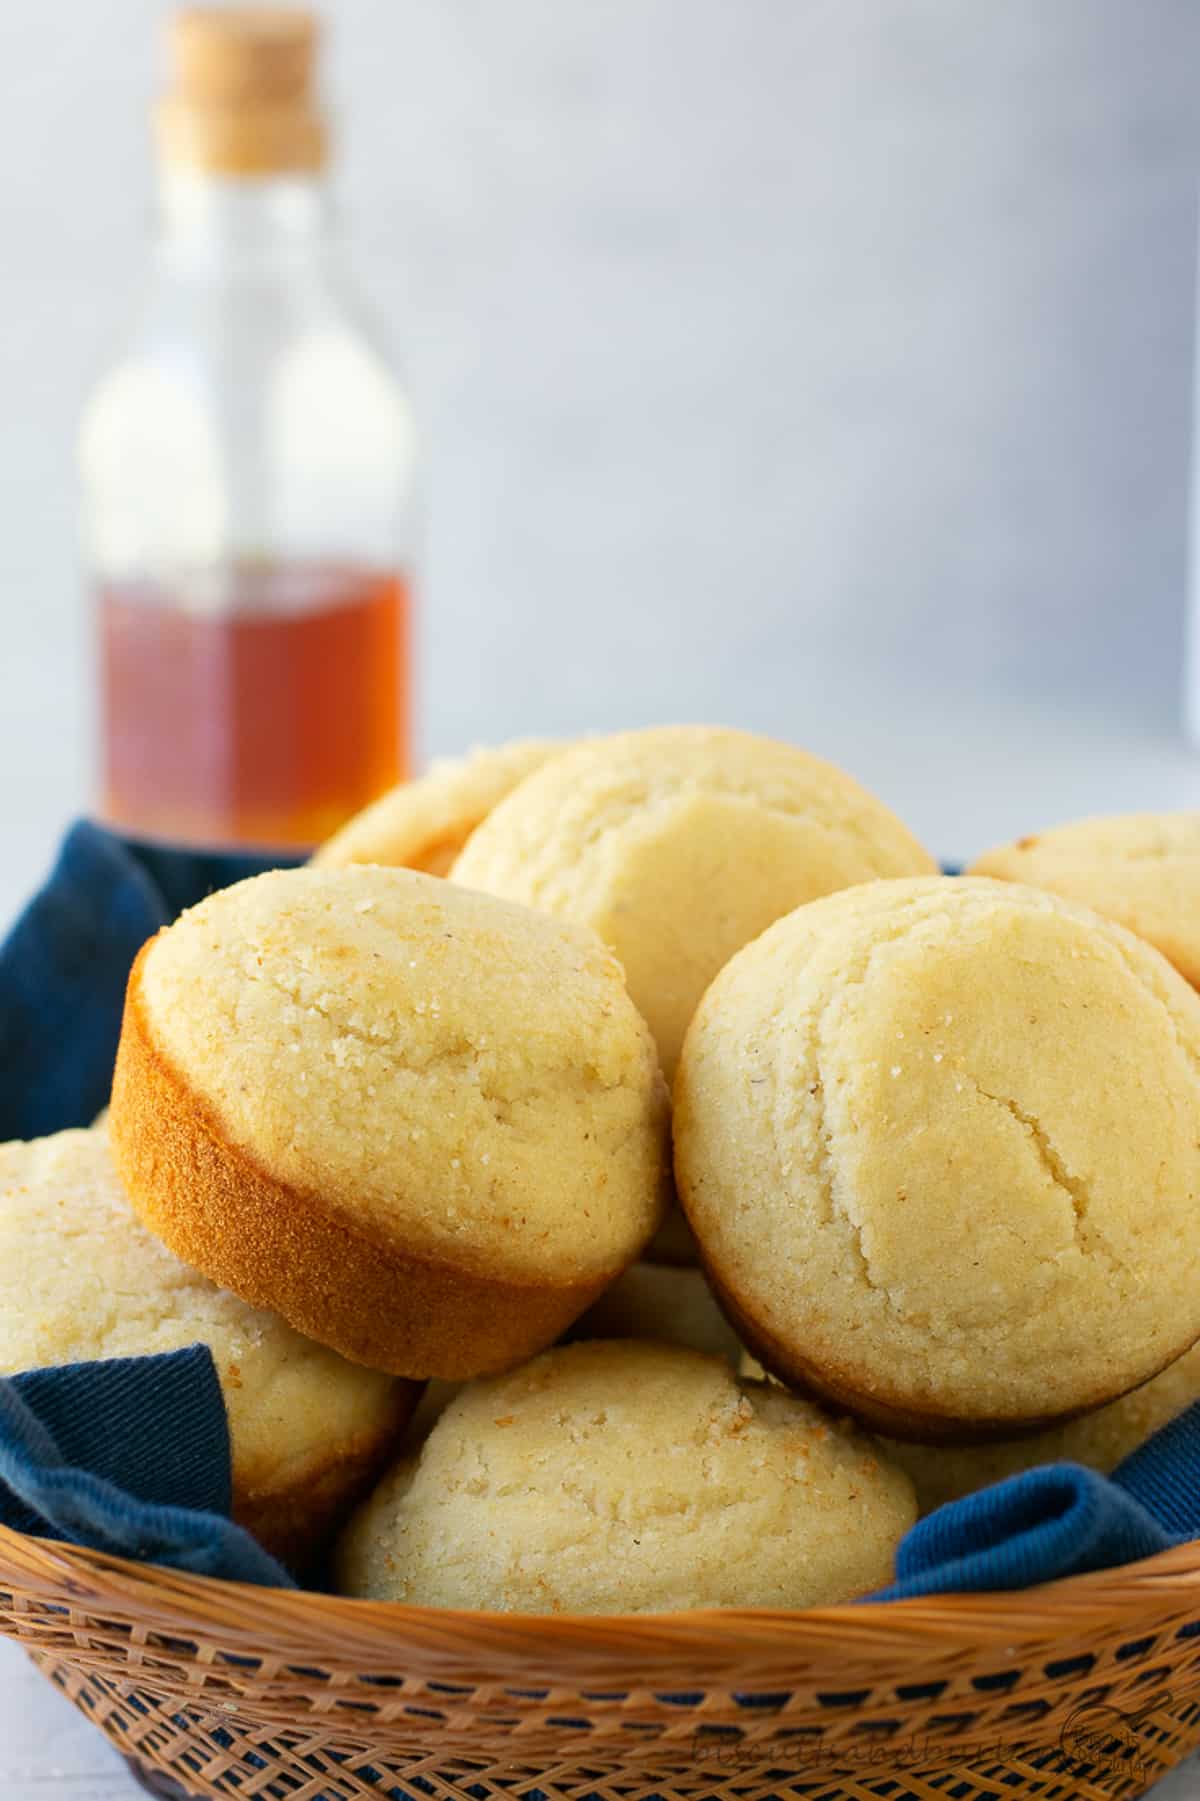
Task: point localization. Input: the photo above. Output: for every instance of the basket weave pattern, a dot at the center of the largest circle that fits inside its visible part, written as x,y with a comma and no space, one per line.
1089,1687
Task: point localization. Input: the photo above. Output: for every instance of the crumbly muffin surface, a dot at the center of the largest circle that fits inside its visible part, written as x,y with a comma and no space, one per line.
1141,869
613,1477
680,844
458,1072
423,824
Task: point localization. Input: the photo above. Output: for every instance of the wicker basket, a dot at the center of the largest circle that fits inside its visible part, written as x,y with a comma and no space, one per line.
1086,1687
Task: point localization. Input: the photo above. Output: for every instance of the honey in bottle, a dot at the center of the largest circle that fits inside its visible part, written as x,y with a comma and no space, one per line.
247,474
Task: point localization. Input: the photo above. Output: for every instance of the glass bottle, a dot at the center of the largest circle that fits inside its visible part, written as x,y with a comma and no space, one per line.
247,469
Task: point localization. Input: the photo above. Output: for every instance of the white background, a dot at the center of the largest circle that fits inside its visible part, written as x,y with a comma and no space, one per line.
816,365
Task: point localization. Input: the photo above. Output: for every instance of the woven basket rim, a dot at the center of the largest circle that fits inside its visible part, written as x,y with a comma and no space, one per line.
388,1635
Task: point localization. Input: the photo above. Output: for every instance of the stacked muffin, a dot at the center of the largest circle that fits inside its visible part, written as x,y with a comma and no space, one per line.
81,1278
935,1145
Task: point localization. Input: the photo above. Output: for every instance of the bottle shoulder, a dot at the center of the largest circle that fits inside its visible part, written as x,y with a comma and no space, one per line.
258,430
192,364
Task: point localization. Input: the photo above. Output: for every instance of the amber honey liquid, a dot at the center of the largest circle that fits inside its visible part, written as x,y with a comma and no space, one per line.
266,720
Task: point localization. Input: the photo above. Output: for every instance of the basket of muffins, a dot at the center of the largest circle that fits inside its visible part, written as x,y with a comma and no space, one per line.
624,1187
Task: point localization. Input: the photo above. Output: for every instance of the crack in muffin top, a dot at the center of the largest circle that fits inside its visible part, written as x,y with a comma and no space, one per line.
944,1138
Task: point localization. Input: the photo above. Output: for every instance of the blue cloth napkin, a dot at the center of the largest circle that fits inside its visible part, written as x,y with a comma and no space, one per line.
133,1457
1059,1520
64,964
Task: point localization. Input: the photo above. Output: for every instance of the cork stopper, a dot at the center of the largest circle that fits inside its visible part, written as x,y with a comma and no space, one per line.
241,99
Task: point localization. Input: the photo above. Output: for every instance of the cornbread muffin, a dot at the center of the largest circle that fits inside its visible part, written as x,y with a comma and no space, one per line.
424,824
1099,1440
82,1280
678,846
938,1142
629,1478
1141,869
652,1300
424,1125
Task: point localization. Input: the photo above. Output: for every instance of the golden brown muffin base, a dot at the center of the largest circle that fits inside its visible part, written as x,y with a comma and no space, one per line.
289,1250
917,1426
295,1520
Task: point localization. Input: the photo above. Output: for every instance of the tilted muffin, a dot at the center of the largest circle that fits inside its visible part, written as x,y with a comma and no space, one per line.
423,824
1141,869
938,1142
679,845
654,1300
1099,1440
629,1478
424,1125
82,1280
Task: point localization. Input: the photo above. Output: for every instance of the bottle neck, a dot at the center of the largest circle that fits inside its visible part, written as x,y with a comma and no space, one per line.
212,220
